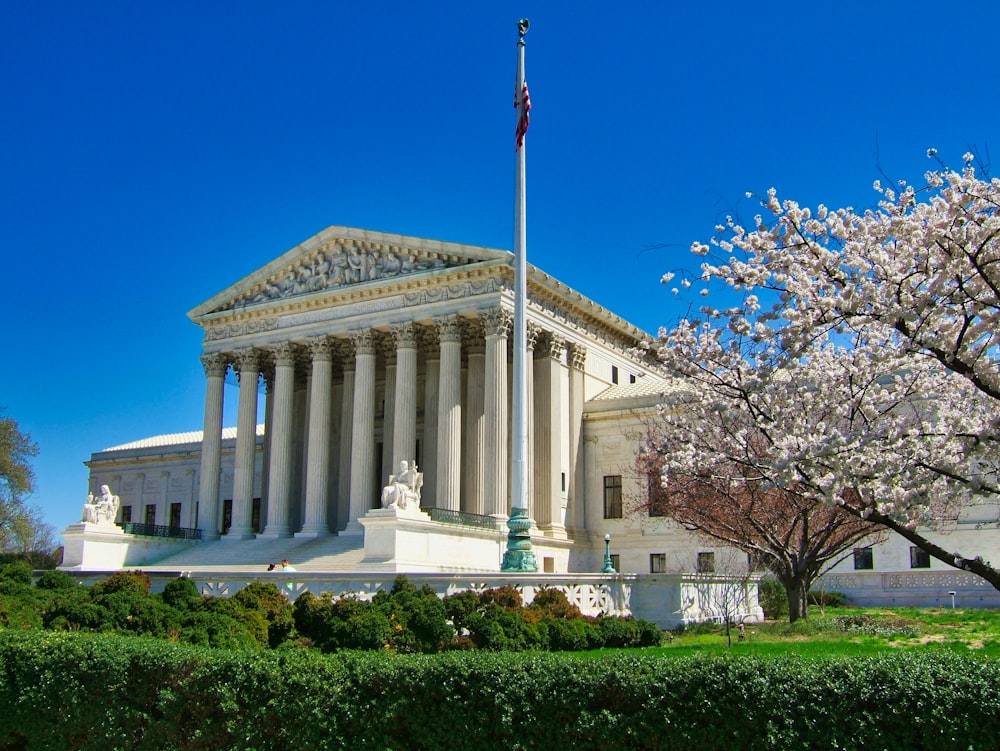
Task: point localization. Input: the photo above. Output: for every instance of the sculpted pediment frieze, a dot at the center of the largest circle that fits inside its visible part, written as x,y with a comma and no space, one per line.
342,263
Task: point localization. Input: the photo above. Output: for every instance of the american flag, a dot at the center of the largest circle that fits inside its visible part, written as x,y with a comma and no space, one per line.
523,108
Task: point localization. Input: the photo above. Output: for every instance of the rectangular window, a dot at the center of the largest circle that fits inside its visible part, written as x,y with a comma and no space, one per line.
616,562
614,374
175,514
150,513
657,563
919,558
864,559
706,563
657,507
612,496
563,481
126,514
631,377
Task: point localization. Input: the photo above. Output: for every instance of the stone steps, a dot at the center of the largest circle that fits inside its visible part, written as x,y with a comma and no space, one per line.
321,554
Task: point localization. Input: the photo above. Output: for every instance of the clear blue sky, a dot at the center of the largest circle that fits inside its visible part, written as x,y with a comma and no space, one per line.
154,153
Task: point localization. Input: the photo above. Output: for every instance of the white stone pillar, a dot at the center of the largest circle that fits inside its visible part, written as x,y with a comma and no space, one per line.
432,376
346,433
449,448
363,431
280,470
314,523
211,447
577,360
475,422
404,432
388,351
548,437
248,362
497,324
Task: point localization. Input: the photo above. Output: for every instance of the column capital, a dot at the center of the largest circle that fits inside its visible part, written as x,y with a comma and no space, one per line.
429,341
473,336
215,364
404,334
577,355
533,333
449,328
284,353
320,348
363,341
247,359
497,321
556,346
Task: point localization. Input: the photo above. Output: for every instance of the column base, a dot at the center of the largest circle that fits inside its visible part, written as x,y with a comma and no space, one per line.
275,534
308,534
239,534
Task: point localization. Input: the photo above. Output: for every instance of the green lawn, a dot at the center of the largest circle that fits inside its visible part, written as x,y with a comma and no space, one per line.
848,632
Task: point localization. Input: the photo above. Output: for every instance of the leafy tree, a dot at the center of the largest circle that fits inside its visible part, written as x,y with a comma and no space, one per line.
863,357
22,529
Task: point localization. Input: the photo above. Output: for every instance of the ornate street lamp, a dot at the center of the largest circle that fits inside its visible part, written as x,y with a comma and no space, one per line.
608,568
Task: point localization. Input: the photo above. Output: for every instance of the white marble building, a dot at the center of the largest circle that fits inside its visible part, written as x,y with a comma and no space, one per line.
369,349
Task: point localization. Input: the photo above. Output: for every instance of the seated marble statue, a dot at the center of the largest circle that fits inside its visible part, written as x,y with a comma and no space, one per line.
102,508
403,490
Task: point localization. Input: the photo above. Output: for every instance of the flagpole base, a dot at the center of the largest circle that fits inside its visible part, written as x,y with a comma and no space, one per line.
519,557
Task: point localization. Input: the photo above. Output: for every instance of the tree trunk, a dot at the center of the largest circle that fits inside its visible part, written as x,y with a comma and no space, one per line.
795,588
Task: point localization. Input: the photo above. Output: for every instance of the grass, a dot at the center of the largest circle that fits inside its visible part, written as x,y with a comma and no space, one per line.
849,632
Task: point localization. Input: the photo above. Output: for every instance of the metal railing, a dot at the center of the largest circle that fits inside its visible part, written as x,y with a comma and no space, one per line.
460,518
160,530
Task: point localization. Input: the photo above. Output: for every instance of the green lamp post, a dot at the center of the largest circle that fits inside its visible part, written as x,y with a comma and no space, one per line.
608,568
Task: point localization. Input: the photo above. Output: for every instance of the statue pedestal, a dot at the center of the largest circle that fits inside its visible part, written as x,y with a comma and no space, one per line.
91,546
407,540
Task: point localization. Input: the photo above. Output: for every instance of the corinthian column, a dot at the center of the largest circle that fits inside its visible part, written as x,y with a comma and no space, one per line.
346,431
280,470
211,447
318,451
404,432
548,436
475,423
449,448
432,376
497,325
248,363
363,430
574,497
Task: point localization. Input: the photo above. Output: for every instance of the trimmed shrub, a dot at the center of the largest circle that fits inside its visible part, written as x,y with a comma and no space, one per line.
132,581
181,593
156,695
53,579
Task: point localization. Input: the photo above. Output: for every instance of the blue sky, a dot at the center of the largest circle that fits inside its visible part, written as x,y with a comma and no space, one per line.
154,153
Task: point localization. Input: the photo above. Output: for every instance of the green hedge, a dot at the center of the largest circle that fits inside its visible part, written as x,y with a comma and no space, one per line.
89,691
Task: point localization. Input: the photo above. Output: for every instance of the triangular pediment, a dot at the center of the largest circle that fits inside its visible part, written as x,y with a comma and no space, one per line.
342,257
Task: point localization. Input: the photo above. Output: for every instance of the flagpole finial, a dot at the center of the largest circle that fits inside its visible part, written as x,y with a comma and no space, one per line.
522,28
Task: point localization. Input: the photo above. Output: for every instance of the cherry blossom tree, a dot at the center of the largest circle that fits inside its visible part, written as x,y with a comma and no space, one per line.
862,359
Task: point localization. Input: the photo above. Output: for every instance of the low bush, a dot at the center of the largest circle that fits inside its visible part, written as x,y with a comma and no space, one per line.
157,695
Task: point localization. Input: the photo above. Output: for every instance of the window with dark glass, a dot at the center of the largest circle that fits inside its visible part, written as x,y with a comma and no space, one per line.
175,514
657,563
150,513
612,496
706,563
864,559
919,558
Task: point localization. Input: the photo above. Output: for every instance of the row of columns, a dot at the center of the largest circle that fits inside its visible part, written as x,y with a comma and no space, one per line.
481,434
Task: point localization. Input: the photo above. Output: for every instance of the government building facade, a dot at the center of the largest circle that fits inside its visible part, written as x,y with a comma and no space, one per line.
363,350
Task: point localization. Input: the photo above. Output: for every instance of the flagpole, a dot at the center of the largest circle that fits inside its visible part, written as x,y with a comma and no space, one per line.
519,555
